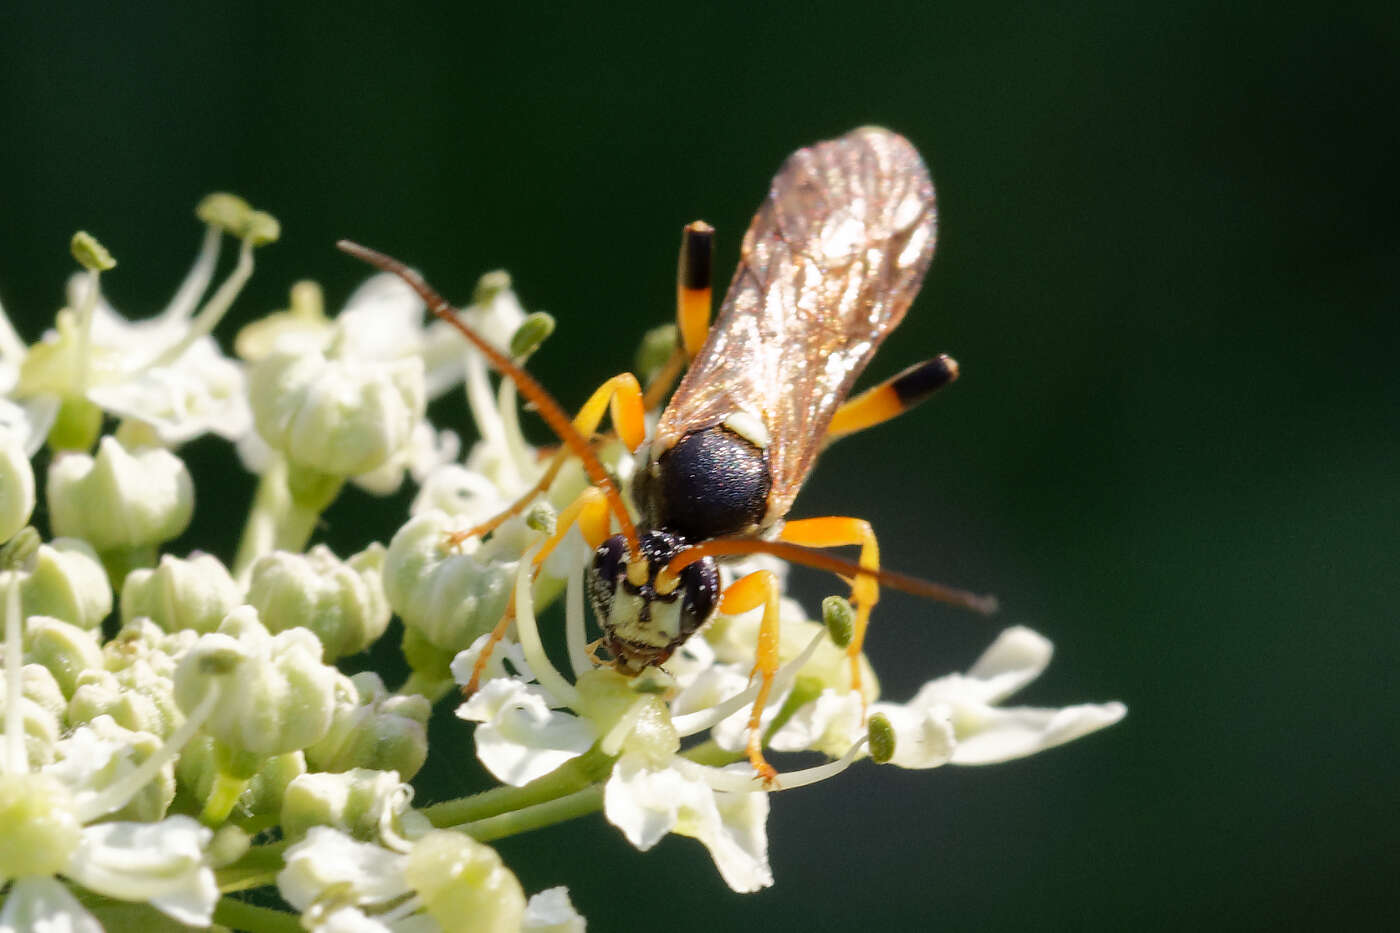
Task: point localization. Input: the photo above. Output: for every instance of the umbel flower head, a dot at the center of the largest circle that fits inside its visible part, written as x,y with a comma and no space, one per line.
207,738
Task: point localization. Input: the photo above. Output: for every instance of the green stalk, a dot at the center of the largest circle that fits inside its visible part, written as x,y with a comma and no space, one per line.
569,778
581,803
240,915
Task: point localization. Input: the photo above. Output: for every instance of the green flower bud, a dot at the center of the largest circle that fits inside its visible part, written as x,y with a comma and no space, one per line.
489,286
16,485
228,212
342,602
276,695
41,709
191,593
67,582
464,884
532,332
261,800
449,598
65,650
361,803
840,620
103,693
141,640
655,350
337,416
120,500
881,739
42,830
373,729
304,323
91,255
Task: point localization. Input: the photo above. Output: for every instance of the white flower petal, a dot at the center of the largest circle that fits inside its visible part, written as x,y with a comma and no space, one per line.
43,905
348,920
739,844
328,857
989,735
201,392
646,803
923,736
1017,657
829,724
520,738
162,863
30,419
551,911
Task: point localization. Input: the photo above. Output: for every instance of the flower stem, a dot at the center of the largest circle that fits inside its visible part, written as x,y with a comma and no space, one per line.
258,866
240,915
569,778
569,807
260,531
222,796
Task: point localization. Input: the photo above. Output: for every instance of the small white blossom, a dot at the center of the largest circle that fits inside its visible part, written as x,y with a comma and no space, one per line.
983,732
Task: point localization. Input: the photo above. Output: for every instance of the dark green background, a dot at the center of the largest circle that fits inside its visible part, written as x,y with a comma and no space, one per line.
1167,263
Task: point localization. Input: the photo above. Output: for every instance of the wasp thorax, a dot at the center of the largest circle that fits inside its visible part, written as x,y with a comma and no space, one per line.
645,614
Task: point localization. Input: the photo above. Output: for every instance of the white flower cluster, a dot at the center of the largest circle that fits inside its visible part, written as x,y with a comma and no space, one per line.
174,729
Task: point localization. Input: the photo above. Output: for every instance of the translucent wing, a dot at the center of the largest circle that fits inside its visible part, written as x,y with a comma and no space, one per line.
829,265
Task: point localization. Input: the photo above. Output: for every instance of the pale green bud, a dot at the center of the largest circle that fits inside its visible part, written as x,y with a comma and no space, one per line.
16,485
342,602
447,597
41,710
374,729
228,212
276,695
120,499
103,693
336,416
65,650
362,803
142,640
640,720
91,757
190,593
532,332
303,324
202,762
42,830
464,884
655,349
67,582
91,255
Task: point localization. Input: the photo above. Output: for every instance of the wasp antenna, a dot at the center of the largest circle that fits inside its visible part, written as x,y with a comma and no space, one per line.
693,285
821,560
551,411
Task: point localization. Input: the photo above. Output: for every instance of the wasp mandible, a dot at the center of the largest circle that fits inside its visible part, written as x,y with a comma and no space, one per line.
829,265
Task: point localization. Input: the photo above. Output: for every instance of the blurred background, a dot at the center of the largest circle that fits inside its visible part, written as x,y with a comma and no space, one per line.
1167,263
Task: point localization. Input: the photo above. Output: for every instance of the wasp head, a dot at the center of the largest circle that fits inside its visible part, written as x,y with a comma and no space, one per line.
645,619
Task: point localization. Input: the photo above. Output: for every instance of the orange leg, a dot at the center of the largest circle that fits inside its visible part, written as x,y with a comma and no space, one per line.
694,297
892,397
590,513
693,289
759,588
865,592
623,396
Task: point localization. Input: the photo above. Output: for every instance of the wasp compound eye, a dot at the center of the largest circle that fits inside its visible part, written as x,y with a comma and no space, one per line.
605,575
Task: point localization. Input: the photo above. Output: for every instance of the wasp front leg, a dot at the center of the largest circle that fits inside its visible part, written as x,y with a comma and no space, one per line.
622,396
759,588
835,531
590,513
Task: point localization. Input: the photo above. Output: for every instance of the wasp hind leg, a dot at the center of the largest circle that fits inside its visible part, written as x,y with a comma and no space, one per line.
759,588
834,531
892,397
622,396
694,297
